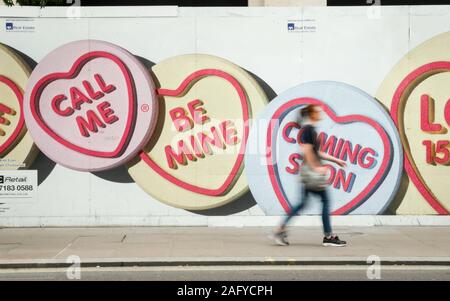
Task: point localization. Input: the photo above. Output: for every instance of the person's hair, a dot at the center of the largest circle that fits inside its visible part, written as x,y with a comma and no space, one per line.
307,111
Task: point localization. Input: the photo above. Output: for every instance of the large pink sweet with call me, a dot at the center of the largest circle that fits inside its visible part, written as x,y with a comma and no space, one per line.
90,105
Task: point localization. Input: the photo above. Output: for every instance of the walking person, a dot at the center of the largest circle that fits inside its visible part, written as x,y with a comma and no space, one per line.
312,162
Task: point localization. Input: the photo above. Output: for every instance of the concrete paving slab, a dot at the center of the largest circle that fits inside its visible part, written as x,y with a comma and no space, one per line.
117,246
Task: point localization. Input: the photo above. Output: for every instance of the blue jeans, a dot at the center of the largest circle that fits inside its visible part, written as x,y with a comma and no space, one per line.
325,209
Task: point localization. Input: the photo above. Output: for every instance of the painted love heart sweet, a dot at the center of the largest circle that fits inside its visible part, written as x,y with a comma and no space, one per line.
9,108
400,97
418,94
77,67
194,160
17,149
355,128
360,197
90,105
186,85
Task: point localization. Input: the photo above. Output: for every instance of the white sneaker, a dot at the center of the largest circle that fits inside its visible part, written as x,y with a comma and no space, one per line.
280,238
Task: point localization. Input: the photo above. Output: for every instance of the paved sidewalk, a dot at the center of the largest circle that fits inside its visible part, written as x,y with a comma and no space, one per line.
162,246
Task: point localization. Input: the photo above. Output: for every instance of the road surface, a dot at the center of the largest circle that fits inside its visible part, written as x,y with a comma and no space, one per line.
235,273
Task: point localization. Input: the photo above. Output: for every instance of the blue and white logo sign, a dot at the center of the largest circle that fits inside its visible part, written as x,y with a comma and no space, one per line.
20,25
305,25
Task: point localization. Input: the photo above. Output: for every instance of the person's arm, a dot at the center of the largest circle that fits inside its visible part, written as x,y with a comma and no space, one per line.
327,157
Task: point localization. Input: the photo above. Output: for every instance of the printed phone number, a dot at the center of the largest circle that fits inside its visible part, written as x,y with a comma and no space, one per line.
16,187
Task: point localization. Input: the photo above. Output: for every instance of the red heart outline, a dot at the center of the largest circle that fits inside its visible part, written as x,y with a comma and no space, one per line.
398,102
20,125
72,73
181,90
365,193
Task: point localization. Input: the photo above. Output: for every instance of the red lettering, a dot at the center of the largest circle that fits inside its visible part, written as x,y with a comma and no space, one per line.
340,179
56,106
295,165
78,98
107,113
206,141
91,92
7,110
201,144
429,151
180,156
442,148
344,150
90,125
183,122
287,130
197,112
337,150
427,115
197,150
347,151
229,132
432,150
364,161
106,88
180,119
327,144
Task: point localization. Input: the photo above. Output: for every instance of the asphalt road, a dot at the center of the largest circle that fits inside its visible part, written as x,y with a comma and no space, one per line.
239,273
